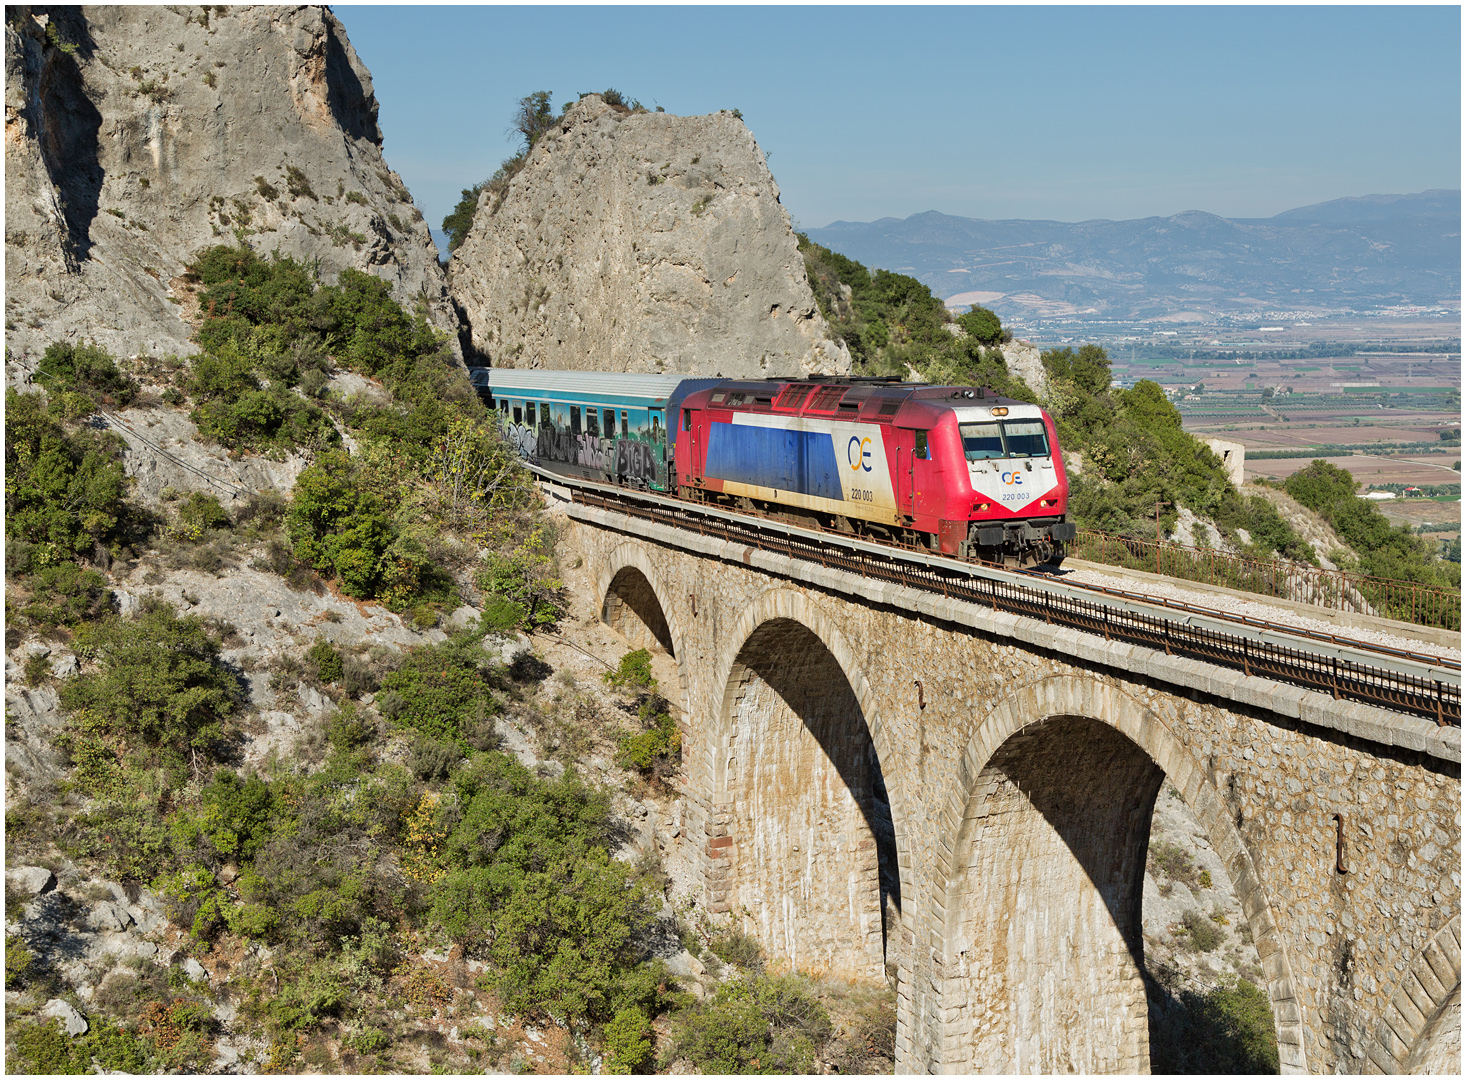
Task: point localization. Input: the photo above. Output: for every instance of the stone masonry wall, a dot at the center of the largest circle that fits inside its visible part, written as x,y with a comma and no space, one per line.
1341,952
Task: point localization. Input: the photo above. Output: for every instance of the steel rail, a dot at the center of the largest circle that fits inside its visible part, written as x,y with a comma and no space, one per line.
1417,683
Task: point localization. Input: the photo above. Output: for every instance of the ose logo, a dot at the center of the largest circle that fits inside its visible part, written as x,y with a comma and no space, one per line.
857,454
1011,478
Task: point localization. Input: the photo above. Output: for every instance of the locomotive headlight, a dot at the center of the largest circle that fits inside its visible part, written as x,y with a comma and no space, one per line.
1001,410
1048,502
976,507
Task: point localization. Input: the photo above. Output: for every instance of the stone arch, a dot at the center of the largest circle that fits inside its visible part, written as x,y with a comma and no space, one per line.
1139,751
634,597
790,674
1422,1024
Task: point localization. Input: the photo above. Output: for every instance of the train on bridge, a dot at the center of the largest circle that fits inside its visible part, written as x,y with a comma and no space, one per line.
953,469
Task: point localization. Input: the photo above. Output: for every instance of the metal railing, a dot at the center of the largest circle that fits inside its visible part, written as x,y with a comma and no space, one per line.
1337,590
1343,679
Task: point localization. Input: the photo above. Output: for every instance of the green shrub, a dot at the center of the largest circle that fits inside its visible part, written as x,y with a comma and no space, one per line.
1225,1031
273,419
658,746
1202,933
756,1025
1172,862
628,1043
197,515
634,672
86,370
536,894
46,1048
326,660
983,326
161,687
65,595
347,730
441,691
501,616
63,493
297,184
1385,550
368,1041
526,576
18,960
340,529
235,816
735,947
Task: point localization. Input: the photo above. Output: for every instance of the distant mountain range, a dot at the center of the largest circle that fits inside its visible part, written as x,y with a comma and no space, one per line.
1365,253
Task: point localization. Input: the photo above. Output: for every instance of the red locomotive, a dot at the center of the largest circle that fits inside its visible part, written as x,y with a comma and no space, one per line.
948,467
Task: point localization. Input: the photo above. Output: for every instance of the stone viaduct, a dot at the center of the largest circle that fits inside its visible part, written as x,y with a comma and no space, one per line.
880,779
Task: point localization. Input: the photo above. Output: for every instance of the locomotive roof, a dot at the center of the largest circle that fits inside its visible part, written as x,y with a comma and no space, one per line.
862,389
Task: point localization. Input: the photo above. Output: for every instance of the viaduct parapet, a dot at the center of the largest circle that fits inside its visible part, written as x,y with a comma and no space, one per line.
883,779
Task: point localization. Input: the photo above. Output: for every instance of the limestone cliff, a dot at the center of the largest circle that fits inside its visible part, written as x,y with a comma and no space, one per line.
136,136
641,242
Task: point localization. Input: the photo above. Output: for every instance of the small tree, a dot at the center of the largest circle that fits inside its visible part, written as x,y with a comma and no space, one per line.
457,224
982,324
534,117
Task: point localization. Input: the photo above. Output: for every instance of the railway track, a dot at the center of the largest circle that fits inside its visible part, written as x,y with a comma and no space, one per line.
1403,680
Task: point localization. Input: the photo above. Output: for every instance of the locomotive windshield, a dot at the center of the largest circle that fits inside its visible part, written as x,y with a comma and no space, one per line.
1026,438
1013,439
981,441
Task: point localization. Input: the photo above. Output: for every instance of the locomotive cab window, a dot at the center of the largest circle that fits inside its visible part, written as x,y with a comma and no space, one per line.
1026,438
686,419
980,441
923,452
575,419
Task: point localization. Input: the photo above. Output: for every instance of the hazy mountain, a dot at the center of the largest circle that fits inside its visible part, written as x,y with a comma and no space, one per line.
1359,253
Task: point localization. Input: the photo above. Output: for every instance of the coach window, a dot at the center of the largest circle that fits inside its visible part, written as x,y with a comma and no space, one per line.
625,424
610,417
575,419
921,446
518,415
529,417
592,422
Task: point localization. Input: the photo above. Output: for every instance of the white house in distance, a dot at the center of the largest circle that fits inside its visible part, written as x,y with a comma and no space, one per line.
1378,496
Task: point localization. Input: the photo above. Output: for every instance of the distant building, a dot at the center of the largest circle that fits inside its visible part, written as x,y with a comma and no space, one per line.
1232,455
1414,493
1379,496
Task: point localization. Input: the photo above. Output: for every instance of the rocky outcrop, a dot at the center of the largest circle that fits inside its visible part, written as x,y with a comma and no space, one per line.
1024,361
635,241
137,136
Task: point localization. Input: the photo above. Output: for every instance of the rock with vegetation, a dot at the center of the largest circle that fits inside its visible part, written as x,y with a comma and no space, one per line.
637,241
136,136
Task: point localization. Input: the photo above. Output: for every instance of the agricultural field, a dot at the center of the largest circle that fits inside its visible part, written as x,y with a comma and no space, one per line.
1371,470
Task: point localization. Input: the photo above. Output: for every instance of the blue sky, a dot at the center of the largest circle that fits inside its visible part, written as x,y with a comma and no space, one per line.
1012,112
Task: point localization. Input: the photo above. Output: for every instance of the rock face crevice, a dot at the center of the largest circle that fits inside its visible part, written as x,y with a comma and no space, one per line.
641,242
135,137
